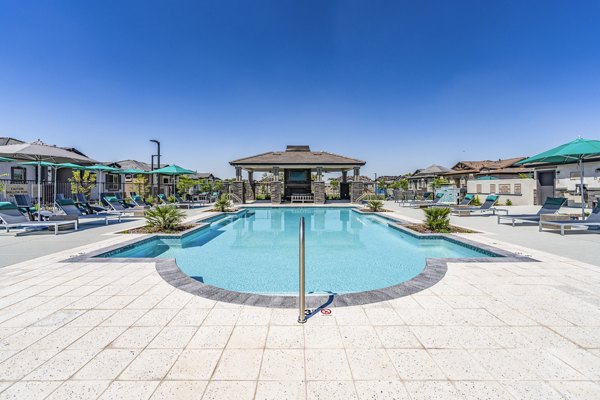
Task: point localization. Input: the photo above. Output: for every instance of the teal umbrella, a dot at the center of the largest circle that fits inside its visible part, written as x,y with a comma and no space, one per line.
576,151
173,170
102,168
6,159
134,171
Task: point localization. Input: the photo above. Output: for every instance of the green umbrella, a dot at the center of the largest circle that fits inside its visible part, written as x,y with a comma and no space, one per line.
6,159
101,168
173,170
72,166
578,150
133,171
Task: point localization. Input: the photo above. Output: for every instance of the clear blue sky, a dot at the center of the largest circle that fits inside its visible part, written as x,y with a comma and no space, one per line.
399,84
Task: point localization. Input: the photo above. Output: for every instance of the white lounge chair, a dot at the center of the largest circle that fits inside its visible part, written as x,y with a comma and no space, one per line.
11,217
592,221
487,206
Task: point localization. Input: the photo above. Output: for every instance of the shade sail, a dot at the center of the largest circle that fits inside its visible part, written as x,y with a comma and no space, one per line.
566,153
173,170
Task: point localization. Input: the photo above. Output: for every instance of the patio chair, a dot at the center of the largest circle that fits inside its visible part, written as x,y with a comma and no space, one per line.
551,206
181,201
464,202
165,200
123,201
26,206
81,200
69,207
487,206
138,201
12,217
592,221
425,202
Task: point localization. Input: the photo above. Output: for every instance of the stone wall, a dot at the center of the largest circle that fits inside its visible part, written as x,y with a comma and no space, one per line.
356,190
319,192
276,192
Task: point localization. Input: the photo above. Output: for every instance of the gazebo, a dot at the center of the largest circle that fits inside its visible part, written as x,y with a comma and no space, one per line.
296,165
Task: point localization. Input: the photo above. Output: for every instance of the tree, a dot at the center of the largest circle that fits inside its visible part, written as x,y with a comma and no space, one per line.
439,182
334,183
82,182
141,185
403,183
184,184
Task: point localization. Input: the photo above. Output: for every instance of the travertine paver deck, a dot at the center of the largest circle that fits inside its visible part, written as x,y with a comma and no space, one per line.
118,331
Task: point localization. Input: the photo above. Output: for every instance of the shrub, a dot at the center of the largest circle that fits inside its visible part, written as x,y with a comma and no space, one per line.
508,202
375,205
476,201
223,204
165,217
150,200
172,199
437,219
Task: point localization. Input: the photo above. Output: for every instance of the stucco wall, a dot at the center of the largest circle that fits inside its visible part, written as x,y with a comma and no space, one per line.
506,188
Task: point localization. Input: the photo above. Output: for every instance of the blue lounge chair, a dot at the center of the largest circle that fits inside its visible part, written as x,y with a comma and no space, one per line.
551,206
69,207
82,202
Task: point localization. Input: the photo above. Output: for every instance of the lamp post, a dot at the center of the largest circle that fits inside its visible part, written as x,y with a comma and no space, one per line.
157,161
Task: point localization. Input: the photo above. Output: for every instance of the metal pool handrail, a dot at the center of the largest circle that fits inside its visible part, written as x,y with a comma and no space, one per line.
301,294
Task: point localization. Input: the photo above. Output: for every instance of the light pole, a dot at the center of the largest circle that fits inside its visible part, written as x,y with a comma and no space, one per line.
157,162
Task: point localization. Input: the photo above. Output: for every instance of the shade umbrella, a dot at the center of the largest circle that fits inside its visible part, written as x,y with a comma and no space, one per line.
102,168
6,159
173,170
39,152
577,150
64,165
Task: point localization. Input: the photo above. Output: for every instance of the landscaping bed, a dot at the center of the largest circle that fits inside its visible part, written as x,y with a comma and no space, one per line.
152,229
422,228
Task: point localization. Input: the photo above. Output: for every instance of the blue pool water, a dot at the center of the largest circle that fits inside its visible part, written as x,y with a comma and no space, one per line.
257,251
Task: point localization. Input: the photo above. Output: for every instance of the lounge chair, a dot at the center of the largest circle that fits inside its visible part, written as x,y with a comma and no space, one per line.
82,202
164,200
12,217
551,206
138,201
69,207
26,206
181,201
419,203
115,205
464,202
487,206
593,221
123,201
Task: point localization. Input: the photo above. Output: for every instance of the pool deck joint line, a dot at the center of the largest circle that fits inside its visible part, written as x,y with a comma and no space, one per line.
435,269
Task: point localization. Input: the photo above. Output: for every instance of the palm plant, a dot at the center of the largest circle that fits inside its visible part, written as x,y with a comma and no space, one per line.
437,219
375,205
223,204
164,218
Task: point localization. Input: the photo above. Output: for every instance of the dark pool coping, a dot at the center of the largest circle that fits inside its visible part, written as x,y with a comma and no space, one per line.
435,269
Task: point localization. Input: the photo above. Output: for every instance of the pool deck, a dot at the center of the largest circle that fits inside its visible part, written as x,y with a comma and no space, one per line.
119,331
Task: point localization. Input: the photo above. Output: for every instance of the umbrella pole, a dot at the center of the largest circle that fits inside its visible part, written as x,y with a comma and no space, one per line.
581,188
39,197
54,195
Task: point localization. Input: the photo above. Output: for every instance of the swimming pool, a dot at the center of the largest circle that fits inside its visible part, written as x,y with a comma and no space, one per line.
256,251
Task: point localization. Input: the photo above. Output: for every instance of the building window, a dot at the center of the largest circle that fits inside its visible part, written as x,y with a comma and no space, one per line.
517,188
504,188
574,175
492,188
479,188
18,174
112,182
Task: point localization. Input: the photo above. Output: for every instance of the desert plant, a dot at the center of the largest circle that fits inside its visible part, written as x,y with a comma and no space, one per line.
508,202
184,184
164,217
437,219
375,205
223,204
476,201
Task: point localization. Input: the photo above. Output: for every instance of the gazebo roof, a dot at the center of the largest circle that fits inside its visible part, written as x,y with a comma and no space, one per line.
297,156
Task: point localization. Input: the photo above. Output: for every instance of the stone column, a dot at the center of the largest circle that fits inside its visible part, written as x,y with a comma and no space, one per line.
356,174
238,173
356,190
276,192
238,190
249,187
319,195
